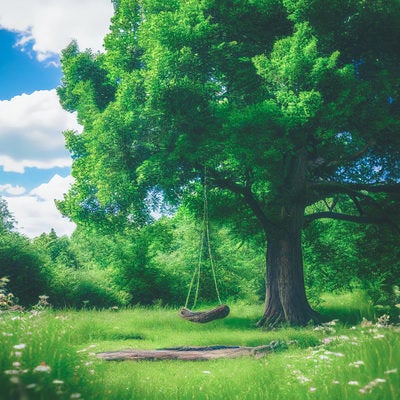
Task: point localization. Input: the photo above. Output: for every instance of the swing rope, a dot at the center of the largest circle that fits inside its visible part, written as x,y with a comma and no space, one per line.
205,233
209,245
196,273
222,310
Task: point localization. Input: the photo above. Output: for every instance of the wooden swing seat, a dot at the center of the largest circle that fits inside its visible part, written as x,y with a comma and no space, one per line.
205,316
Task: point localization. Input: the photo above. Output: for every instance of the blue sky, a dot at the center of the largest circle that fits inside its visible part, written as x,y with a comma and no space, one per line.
21,72
35,167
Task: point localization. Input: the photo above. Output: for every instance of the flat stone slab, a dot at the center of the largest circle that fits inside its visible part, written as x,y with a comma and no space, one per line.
188,353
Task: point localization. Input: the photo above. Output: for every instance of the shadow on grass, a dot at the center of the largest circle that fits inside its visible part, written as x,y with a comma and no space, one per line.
240,323
117,336
348,308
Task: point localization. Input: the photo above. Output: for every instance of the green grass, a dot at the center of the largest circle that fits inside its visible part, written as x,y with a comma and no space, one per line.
347,360
348,307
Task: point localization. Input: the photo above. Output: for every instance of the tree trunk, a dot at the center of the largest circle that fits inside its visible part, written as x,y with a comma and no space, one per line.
286,301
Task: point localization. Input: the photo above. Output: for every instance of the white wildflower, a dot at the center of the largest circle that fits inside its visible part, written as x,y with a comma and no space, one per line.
356,364
380,336
365,322
368,388
81,351
391,371
303,379
31,386
333,322
334,353
11,372
42,368
383,321
318,328
328,340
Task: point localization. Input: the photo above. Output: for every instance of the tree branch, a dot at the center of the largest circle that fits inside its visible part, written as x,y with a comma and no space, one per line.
351,157
357,204
320,162
346,188
360,219
247,195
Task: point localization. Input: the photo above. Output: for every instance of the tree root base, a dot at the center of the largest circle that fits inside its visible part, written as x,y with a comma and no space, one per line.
278,320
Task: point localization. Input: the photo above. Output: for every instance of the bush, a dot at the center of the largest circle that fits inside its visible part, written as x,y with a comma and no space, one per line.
85,288
21,264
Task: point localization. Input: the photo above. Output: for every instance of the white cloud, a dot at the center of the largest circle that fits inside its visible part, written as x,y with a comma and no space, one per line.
51,24
54,189
13,190
36,212
31,132
31,125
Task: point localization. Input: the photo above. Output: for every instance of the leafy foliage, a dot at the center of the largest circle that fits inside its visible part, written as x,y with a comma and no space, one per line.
238,265
20,264
7,221
287,120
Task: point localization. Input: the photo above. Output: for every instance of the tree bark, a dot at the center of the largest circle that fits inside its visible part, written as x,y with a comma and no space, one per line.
221,311
286,301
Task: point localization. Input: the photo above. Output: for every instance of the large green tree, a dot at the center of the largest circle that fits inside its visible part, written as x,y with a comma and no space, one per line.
287,107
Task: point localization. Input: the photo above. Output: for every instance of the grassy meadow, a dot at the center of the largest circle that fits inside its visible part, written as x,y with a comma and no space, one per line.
48,354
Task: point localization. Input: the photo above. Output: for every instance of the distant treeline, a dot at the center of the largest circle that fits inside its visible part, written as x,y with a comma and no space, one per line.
155,265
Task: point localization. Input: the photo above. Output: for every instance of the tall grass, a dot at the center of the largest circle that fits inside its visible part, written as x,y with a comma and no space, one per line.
52,355
38,360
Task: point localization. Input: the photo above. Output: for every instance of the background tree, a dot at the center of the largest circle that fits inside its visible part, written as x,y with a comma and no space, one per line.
286,120
7,220
19,262
79,270
369,261
175,244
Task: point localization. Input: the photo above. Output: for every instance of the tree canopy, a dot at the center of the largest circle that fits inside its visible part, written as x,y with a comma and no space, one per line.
289,108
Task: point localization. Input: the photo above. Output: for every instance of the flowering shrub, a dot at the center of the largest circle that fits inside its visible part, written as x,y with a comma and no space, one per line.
6,299
35,361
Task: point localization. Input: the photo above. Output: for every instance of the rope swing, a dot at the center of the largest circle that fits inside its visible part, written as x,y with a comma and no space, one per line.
222,310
